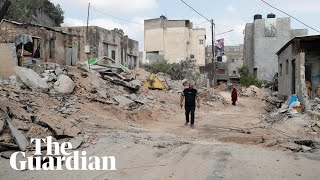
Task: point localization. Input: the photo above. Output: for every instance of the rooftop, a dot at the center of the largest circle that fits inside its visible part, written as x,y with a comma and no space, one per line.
299,38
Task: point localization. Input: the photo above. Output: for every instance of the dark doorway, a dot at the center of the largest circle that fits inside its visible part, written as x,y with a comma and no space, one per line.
308,72
293,81
255,72
113,55
308,80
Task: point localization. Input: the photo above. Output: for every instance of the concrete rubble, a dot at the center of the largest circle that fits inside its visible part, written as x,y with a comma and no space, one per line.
291,146
64,84
31,79
61,102
51,98
76,142
123,101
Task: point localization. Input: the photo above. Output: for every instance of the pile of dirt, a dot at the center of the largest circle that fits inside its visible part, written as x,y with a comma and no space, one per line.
254,91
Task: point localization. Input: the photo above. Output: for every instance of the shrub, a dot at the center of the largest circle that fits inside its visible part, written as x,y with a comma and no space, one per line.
160,66
244,71
250,80
247,80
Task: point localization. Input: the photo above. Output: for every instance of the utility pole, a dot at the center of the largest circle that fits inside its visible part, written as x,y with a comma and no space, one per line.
87,47
88,21
213,61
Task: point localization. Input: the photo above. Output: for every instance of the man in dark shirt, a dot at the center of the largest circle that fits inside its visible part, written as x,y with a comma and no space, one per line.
190,96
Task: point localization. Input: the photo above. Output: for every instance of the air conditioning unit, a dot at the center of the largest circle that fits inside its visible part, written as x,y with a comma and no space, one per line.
191,56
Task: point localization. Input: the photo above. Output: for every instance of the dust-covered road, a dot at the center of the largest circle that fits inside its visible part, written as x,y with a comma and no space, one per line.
217,148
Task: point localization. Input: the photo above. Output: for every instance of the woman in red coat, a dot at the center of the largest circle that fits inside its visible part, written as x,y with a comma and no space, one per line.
234,96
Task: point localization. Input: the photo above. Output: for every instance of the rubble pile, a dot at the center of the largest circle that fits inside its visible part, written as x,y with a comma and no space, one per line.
253,91
53,101
312,127
279,111
210,96
315,105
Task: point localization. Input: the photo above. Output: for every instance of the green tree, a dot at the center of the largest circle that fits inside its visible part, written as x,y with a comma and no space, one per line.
160,66
244,71
26,11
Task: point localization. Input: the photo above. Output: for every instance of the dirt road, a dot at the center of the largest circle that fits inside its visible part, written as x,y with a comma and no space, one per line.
218,148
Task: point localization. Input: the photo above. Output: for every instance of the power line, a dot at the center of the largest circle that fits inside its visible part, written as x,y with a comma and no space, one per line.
205,19
201,23
220,31
195,10
121,19
291,16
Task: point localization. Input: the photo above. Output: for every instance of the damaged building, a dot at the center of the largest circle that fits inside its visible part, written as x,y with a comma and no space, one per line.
174,40
227,65
36,42
262,39
118,48
299,70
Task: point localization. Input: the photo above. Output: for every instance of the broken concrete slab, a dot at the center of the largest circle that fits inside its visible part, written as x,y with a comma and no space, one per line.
123,101
76,142
292,146
18,136
64,84
102,93
136,84
133,96
31,79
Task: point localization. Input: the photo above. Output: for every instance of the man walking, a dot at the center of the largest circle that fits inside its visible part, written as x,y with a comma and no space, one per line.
190,95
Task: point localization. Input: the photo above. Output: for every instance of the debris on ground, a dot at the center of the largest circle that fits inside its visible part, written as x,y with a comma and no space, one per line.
291,146
67,102
76,142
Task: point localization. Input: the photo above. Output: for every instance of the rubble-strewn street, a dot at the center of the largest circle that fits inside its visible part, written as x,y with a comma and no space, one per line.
144,130
150,89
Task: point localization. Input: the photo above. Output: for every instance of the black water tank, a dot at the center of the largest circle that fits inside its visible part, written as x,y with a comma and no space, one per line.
271,15
257,16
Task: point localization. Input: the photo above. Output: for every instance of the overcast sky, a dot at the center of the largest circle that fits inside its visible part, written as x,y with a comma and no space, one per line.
227,14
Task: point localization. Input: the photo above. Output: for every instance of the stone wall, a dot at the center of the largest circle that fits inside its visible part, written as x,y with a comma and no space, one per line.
8,60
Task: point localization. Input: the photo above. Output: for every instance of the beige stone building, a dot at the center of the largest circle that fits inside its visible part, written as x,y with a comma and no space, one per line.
174,40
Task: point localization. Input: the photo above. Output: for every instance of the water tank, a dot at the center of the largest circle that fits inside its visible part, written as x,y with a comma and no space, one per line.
271,15
257,16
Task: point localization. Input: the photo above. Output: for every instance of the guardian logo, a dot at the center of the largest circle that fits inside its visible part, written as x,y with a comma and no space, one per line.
56,155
